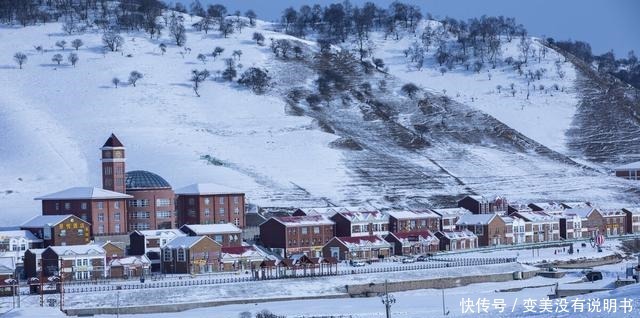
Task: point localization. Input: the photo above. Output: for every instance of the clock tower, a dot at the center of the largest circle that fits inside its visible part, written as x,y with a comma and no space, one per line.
113,160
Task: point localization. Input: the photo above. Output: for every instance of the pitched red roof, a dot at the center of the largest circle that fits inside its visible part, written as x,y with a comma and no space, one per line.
113,142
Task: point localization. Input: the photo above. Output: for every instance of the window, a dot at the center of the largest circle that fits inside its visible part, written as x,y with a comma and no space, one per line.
304,230
236,200
100,205
83,205
80,232
236,210
100,228
163,202
207,212
116,204
138,203
218,238
139,215
166,255
207,201
63,232
108,171
191,213
67,206
100,217
221,200
181,255
163,214
84,216
192,201
316,230
117,228
57,206
116,216
221,211
236,221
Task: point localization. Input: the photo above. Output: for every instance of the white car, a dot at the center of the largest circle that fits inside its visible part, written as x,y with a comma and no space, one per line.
408,260
357,263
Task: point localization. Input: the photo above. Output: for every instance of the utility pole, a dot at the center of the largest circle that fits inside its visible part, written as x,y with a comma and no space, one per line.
445,312
387,299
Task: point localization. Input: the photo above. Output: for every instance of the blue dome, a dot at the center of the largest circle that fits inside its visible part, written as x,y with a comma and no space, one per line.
140,179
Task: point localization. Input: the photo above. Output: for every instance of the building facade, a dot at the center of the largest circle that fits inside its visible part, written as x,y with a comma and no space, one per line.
191,255
409,221
413,243
227,235
489,228
209,203
364,248
59,230
363,223
287,235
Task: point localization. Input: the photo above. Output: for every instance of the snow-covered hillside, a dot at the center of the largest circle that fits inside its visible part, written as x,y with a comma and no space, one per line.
544,116
55,117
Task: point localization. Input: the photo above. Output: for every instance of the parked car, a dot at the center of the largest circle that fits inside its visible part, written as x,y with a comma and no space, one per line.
422,258
357,263
408,260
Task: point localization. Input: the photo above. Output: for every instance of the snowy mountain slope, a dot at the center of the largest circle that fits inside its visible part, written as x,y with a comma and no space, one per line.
544,116
58,116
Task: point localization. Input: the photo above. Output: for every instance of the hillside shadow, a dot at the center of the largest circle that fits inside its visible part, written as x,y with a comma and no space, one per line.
181,85
52,65
7,67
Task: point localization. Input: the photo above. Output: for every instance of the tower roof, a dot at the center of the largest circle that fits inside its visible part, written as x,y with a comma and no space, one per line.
140,179
113,141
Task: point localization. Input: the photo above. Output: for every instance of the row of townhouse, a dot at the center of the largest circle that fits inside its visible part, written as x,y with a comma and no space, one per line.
359,233
60,245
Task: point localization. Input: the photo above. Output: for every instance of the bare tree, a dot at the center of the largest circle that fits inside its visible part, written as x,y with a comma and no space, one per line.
237,54
73,59
57,58
76,44
202,58
256,79
525,48
163,48
115,81
252,17
112,40
198,77
379,63
134,76
61,44
259,38
20,58
178,32
216,52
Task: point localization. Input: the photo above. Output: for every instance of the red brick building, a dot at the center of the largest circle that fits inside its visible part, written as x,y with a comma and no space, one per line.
366,248
104,209
208,203
59,230
457,240
413,243
629,171
409,221
227,235
489,228
113,165
152,206
191,255
481,205
77,262
633,220
357,223
289,235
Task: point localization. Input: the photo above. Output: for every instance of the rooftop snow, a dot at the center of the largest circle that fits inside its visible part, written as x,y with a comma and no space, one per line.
18,234
77,249
202,229
451,212
87,193
161,233
402,215
45,220
303,220
629,166
207,189
184,241
475,219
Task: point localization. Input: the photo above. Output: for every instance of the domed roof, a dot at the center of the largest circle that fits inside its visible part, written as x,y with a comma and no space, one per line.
140,179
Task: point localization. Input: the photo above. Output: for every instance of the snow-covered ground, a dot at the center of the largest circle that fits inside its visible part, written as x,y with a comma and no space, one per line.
544,117
55,117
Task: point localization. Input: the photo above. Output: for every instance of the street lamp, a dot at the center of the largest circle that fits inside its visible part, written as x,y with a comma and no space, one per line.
387,300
